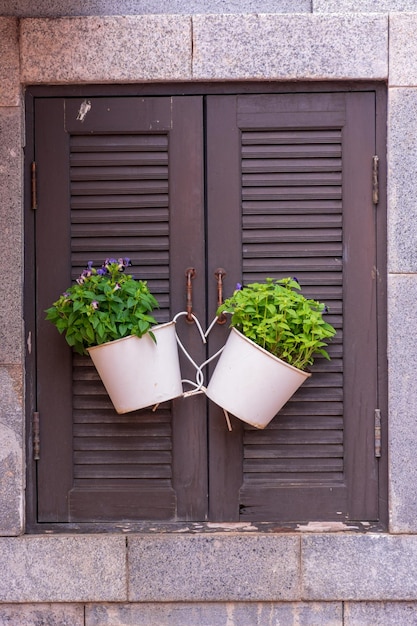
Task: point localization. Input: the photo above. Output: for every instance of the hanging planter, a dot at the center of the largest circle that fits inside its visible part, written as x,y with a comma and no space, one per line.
140,372
276,333
251,383
108,314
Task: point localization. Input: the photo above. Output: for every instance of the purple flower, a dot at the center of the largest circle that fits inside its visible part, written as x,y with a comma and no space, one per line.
102,271
238,286
94,304
90,264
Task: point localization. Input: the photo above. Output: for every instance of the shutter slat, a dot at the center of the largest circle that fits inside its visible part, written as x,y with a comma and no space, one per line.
285,192
151,442
267,164
117,202
115,187
125,173
302,207
105,472
122,457
300,178
106,158
113,142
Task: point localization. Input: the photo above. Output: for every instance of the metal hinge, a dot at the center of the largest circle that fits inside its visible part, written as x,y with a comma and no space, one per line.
36,437
377,433
34,192
375,179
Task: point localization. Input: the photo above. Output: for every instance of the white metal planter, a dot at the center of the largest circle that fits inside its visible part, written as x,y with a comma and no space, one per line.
139,372
250,382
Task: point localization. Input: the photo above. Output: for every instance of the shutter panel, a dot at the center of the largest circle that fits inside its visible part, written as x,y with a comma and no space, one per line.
302,215
119,467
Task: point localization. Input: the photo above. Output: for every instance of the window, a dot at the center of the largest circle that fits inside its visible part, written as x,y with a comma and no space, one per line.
260,184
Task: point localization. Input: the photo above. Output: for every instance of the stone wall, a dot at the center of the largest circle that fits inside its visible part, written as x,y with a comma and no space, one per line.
224,577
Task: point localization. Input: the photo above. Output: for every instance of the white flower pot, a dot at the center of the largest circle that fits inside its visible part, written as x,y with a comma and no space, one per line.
139,372
250,382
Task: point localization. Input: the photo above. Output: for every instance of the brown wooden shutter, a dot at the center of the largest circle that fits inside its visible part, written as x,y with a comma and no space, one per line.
281,186
303,215
114,467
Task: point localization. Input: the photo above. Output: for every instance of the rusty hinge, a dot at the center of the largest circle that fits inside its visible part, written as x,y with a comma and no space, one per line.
377,433
34,192
36,436
375,179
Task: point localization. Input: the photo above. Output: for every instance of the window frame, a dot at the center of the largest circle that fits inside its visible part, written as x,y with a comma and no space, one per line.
203,89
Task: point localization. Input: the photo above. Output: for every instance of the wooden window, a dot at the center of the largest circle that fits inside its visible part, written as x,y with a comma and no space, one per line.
260,185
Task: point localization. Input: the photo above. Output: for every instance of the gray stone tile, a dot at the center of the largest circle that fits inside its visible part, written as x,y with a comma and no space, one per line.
402,356
290,47
402,174
58,8
106,49
362,6
9,62
63,569
11,238
215,567
403,49
11,452
216,614
359,567
384,613
41,615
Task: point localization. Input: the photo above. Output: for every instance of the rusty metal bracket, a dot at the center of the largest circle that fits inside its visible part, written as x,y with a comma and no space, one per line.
219,274
190,274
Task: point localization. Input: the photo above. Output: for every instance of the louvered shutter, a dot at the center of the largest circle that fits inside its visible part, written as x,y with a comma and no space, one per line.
279,185
302,198
116,467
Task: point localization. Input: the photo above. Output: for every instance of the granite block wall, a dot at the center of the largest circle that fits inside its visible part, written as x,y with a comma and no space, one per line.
297,578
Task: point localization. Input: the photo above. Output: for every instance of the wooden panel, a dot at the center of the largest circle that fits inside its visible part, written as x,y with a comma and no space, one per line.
119,203
293,220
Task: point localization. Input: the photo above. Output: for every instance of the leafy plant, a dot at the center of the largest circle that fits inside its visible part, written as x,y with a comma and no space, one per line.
104,304
277,317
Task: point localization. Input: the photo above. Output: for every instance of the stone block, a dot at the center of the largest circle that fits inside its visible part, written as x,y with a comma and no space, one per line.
403,49
359,567
402,356
386,613
9,62
216,614
213,567
63,569
41,614
11,235
61,8
11,452
402,173
362,6
288,47
106,49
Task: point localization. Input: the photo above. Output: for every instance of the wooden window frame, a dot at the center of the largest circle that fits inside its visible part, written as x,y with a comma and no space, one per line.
204,89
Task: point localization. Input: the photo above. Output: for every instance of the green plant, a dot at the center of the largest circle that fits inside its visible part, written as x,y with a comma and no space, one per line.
277,317
104,304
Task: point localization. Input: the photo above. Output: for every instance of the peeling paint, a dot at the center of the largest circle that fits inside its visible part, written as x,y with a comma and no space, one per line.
84,109
230,526
325,527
